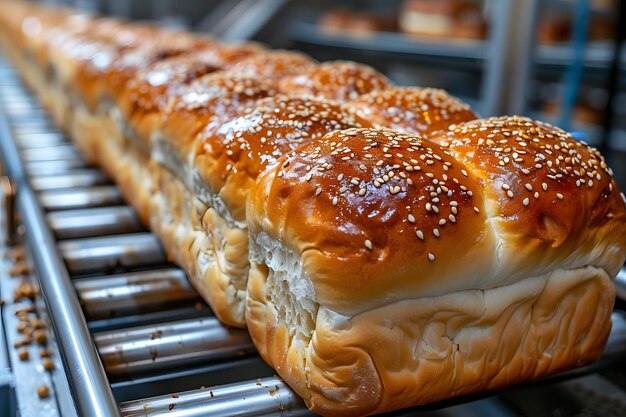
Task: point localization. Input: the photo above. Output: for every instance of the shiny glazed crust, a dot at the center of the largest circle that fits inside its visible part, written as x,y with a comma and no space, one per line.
339,80
411,109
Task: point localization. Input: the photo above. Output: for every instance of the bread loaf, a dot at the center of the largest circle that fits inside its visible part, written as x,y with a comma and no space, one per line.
408,272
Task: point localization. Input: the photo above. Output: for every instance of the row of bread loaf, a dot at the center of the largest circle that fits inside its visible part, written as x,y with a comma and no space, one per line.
383,247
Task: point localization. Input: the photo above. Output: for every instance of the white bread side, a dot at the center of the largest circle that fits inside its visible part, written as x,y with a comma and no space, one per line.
422,350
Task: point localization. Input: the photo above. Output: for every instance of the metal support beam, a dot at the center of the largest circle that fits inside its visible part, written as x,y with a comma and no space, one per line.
507,68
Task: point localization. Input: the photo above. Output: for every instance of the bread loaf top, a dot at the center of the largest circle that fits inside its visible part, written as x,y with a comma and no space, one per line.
379,216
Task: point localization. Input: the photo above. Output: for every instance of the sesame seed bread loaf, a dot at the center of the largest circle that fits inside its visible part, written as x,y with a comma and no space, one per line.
338,80
389,271
383,247
411,109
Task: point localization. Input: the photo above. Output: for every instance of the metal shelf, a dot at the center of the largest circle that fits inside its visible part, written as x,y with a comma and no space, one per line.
395,43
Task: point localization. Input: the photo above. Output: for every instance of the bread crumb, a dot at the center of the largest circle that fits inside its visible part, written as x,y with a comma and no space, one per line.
48,365
43,391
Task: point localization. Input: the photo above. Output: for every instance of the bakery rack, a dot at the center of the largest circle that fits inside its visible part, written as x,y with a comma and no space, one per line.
130,337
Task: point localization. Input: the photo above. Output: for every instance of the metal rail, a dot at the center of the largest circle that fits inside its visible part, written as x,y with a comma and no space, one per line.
90,388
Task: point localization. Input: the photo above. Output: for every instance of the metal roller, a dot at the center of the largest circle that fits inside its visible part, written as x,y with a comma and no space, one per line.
78,178
620,284
101,254
45,168
134,293
261,397
75,198
170,346
17,107
37,136
72,224
65,151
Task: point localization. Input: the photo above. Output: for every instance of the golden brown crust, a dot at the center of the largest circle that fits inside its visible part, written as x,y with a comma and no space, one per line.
339,80
107,42
209,101
273,64
411,109
546,192
230,157
146,95
132,60
392,208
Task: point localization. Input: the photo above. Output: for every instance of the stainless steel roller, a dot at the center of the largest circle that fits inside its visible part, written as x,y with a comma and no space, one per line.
261,397
44,168
35,137
80,197
101,254
78,178
134,293
72,224
170,346
65,151
620,284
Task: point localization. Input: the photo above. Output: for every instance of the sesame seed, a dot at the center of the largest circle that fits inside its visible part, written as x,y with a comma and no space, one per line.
318,191
544,186
509,193
505,187
435,209
436,232
334,201
394,189
528,187
431,257
559,196
428,206
476,209
442,222
368,244
536,194
452,218
411,218
454,203
526,201
419,234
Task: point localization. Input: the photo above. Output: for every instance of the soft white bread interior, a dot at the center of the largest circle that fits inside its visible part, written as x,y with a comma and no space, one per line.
395,274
